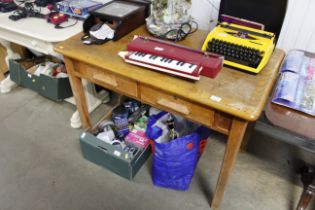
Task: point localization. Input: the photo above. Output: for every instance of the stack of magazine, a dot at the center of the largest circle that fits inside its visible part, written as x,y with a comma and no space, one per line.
296,84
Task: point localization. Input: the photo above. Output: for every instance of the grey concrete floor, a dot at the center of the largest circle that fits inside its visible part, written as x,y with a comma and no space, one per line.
41,167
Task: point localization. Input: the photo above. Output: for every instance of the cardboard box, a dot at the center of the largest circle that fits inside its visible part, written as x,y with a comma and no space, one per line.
53,88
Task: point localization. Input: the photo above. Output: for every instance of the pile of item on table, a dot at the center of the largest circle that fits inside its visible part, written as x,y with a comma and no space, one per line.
57,11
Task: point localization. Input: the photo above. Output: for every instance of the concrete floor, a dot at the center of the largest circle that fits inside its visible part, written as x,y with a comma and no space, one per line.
41,167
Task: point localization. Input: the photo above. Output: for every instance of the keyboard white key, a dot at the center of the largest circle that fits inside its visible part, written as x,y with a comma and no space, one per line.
139,62
163,62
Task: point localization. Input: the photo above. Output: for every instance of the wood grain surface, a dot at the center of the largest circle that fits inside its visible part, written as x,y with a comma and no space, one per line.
241,94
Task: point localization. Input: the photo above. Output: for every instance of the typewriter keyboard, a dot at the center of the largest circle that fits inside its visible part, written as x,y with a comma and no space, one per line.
236,53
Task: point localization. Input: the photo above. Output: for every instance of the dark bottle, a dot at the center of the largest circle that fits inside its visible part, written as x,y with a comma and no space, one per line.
171,126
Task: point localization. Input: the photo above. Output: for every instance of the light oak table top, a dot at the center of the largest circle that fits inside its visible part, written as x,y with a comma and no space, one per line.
240,94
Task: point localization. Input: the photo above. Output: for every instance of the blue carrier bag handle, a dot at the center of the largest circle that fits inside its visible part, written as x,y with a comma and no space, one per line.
154,132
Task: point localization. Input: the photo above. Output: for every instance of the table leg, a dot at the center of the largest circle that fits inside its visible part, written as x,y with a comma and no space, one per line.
7,84
93,100
78,91
247,136
234,142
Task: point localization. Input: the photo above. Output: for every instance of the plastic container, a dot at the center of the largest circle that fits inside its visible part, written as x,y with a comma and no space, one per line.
120,118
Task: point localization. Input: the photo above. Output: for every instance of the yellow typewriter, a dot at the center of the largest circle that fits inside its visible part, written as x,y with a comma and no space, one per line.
243,47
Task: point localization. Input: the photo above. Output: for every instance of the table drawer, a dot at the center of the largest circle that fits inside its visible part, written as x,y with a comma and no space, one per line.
112,81
176,105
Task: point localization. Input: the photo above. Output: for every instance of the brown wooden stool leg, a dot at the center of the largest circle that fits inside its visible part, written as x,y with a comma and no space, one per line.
306,197
308,190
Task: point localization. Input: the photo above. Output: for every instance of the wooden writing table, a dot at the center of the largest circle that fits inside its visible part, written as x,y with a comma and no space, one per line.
225,104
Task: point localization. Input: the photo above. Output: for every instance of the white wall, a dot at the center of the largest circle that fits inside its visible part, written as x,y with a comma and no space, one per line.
298,30
204,11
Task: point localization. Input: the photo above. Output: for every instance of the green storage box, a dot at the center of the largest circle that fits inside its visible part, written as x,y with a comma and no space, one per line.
111,157
53,88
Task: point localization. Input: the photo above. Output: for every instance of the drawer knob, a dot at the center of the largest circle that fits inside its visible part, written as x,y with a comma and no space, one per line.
180,108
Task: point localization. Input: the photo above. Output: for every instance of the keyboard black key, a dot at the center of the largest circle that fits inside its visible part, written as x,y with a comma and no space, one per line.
236,53
237,60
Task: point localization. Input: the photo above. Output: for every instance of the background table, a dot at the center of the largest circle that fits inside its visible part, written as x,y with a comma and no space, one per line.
38,35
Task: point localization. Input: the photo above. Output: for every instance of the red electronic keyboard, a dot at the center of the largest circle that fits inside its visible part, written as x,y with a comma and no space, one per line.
171,58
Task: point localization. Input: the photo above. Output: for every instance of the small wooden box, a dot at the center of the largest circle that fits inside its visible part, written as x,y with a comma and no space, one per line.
122,16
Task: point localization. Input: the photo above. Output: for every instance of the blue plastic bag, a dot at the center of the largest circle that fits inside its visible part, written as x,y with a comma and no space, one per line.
174,162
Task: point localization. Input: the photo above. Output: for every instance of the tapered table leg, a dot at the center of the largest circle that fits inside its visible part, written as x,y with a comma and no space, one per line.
78,91
234,142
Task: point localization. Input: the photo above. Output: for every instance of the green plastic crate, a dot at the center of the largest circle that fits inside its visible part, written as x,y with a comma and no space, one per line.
53,88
